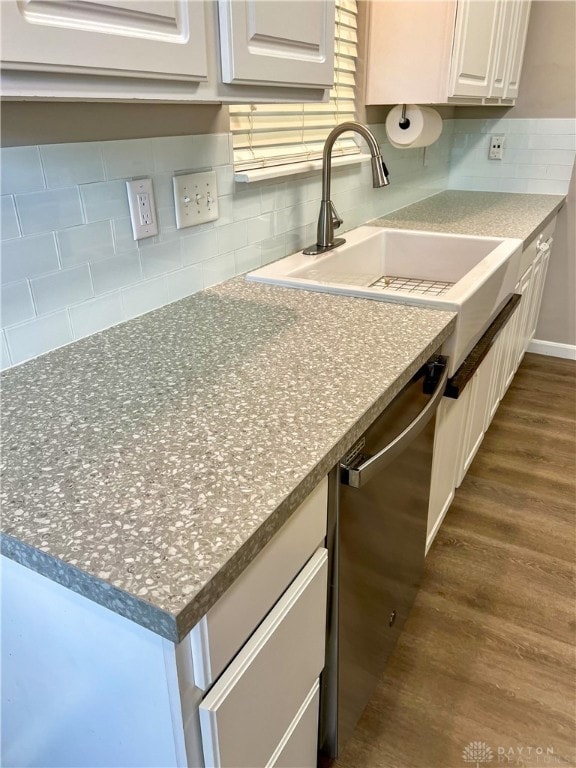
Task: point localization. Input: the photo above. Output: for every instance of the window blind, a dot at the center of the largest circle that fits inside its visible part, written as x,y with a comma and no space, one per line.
267,135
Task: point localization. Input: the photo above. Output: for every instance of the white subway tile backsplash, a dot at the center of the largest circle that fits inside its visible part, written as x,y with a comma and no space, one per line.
260,228
184,282
218,269
21,170
551,141
273,197
273,249
69,164
96,315
546,187
127,158
559,172
166,220
5,359
296,240
225,211
145,297
89,242
247,203
538,156
530,171
225,179
123,236
28,257
554,125
9,226
199,246
16,303
232,236
60,289
175,154
49,210
116,272
105,200
247,258
160,258
213,149
38,336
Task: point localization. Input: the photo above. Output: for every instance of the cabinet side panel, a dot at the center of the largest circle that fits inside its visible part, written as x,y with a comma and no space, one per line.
81,685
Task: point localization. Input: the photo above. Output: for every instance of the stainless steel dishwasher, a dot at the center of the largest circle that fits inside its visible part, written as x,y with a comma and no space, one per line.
377,538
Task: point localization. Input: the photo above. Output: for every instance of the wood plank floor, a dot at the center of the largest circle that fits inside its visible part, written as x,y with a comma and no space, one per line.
487,654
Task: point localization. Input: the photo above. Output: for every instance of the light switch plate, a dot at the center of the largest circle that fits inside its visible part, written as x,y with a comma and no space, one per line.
142,208
195,198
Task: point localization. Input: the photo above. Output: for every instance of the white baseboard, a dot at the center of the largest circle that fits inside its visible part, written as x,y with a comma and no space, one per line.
552,348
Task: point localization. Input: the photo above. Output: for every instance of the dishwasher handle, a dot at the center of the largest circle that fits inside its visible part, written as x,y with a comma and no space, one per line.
358,476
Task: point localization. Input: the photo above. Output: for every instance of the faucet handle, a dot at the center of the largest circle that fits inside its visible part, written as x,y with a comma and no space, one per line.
336,220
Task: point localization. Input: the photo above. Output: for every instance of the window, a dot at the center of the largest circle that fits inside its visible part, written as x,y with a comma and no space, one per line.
266,135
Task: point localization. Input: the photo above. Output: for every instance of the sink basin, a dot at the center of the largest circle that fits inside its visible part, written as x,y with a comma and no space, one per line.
472,276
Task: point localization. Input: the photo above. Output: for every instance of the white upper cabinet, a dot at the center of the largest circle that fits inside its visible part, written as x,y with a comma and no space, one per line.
475,42
259,43
135,38
445,51
168,50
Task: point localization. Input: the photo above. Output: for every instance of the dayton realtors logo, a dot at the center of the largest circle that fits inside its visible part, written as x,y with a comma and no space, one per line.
478,753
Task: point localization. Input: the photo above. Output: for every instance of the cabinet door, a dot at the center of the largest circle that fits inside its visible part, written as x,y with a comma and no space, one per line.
502,53
449,436
284,42
250,708
163,39
475,42
519,32
523,288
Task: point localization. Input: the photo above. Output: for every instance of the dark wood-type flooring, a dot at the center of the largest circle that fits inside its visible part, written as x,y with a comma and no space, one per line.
487,654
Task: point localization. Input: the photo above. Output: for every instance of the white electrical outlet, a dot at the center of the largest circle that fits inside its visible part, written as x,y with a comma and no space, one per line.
496,151
142,208
195,198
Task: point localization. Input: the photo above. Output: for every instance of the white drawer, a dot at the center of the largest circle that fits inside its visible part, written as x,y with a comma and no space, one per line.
299,747
249,710
219,635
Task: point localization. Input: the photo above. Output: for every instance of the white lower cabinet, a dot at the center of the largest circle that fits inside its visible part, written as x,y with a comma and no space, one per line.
299,747
247,713
132,698
462,423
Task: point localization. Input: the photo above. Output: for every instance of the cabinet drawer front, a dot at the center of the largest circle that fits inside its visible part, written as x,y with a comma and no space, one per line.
246,714
220,634
299,748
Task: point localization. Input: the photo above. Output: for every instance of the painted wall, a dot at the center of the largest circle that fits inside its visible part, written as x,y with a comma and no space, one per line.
35,122
548,86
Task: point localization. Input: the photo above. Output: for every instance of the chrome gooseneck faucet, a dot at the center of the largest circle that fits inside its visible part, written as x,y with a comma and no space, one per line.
329,220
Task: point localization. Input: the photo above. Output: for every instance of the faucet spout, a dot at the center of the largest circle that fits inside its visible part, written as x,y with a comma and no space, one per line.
328,219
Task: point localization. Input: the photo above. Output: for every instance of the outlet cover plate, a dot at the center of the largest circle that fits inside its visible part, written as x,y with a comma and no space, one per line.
195,198
496,150
142,208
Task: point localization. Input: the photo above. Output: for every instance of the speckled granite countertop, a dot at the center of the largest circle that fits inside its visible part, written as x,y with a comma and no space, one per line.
496,214
146,466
